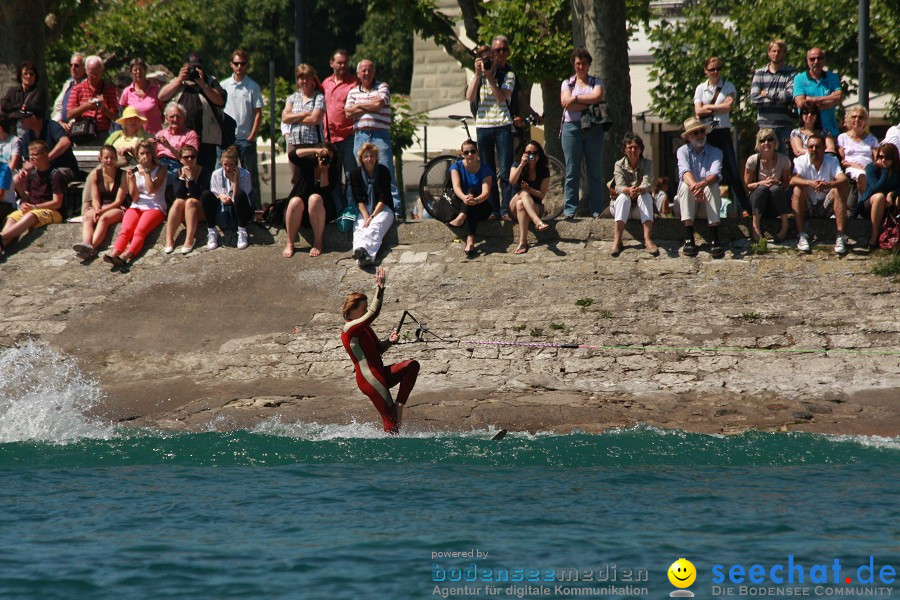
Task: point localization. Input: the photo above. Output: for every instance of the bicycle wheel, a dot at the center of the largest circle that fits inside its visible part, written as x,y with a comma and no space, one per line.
554,201
433,187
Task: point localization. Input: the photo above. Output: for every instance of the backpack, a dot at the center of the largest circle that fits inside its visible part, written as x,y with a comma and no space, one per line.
512,104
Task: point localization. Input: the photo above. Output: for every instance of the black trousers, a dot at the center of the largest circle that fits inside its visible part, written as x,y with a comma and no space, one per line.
242,206
732,174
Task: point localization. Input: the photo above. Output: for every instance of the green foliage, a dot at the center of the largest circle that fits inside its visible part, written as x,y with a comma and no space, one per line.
889,267
404,124
558,326
584,302
741,40
122,29
388,46
539,31
536,332
751,316
162,32
519,327
760,246
605,314
283,89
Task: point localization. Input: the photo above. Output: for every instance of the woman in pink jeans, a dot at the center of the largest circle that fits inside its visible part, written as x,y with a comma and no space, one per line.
147,187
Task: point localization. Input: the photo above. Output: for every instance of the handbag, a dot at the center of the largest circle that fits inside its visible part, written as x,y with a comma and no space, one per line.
83,131
712,121
347,219
889,239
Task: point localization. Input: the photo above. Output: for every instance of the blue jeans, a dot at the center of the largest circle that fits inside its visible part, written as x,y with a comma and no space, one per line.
172,167
499,138
343,195
382,140
587,145
250,161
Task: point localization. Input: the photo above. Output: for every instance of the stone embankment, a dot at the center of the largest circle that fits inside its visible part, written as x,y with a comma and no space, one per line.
227,338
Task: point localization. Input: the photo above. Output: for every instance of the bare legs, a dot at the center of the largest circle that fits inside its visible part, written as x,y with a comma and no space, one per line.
523,209
877,204
294,217
188,211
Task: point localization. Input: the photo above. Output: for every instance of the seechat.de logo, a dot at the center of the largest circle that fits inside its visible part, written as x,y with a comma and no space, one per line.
682,574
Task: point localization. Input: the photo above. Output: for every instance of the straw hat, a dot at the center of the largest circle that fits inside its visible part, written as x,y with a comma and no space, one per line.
693,124
130,112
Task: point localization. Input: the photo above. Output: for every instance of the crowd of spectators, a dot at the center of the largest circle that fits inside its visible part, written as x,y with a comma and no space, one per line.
183,150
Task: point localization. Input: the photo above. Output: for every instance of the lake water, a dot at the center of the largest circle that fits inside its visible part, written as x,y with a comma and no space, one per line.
90,510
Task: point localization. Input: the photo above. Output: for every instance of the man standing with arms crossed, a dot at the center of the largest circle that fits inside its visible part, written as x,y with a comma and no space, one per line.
340,127
772,92
369,105
244,104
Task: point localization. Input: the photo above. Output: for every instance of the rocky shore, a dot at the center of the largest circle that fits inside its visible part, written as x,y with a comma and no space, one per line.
227,338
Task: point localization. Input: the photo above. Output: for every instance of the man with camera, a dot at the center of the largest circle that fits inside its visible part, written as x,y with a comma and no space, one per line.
94,99
369,105
203,99
491,89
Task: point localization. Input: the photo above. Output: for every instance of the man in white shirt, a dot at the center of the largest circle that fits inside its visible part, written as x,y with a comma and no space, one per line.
60,105
820,186
244,104
893,136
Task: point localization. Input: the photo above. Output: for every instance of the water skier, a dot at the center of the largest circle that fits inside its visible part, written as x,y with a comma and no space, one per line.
365,350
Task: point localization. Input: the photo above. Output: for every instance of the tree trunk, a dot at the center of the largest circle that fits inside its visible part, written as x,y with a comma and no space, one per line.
23,36
552,117
600,26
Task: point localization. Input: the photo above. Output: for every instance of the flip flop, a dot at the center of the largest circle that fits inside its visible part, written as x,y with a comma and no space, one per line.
522,249
541,226
471,253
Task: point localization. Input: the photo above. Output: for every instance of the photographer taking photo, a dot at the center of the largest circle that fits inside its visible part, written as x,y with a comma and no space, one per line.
203,100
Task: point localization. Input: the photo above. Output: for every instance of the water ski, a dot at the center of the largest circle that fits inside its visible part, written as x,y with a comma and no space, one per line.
500,435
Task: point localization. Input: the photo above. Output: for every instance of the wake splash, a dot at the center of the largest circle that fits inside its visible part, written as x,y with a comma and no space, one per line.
44,397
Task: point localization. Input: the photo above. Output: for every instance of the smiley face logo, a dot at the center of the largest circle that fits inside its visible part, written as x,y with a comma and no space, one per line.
682,573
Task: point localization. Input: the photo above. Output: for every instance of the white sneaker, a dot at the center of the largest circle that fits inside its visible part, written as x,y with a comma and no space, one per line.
840,244
803,243
212,241
243,238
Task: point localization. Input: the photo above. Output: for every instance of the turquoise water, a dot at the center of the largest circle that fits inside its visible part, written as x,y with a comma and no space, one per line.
309,511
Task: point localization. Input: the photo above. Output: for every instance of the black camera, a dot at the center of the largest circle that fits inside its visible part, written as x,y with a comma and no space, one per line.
193,74
487,63
325,160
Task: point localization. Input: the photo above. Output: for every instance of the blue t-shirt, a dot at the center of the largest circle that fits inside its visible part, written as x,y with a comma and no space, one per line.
804,85
470,180
6,183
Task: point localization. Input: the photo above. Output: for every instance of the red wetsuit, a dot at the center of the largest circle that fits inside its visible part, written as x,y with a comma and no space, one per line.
372,377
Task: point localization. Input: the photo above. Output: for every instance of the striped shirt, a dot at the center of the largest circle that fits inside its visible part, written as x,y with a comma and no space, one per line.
776,107
372,120
490,112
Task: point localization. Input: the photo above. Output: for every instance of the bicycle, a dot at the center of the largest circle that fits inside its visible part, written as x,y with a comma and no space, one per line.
436,189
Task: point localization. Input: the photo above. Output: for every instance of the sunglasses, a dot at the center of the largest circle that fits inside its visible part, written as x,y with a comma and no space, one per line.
883,157
767,139
714,69
238,63
188,156
469,152
815,58
502,49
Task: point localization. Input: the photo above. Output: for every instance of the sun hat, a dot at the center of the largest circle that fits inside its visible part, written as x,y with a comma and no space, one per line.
130,112
693,124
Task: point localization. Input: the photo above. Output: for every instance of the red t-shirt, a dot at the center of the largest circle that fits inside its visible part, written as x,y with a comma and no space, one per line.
339,126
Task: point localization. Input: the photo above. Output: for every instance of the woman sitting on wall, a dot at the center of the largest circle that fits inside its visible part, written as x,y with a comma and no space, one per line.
532,175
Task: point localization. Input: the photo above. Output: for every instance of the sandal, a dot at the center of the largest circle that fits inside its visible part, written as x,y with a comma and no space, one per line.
541,226
522,249
616,251
471,253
